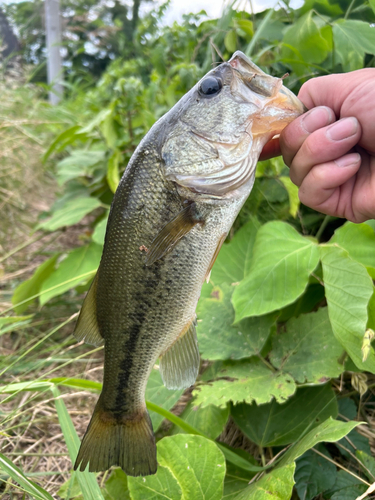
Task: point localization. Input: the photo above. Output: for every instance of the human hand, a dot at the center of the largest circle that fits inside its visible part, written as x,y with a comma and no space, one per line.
331,149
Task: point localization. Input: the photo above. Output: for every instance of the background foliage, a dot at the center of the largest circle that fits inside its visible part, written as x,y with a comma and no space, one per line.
284,325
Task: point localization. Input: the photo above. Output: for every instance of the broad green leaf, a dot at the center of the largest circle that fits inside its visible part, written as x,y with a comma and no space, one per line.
233,262
71,488
209,420
282,263
346,487
359,241
218,338
32,286
161,486
314,474
292,189
73,211
195,463
79,265
108,129
329,431
99,231
34,490
236,480
246,25
310,45
87,480
117,485
66,137
352,40
276,424
372,5
157,393
80,163
230,41
352,442
277,485
247,380
113,176
368,464
348,290
308,350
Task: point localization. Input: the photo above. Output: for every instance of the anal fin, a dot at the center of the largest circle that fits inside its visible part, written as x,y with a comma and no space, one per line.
87,327
179,365
172,232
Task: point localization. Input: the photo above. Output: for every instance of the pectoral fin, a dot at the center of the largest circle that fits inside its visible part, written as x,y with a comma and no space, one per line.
179,365
172,233
87,327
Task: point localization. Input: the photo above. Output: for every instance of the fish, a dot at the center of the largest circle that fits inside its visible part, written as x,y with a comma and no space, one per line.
175,204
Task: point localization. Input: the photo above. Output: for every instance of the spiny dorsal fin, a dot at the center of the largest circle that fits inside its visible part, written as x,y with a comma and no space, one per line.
179,365
172,233
87,327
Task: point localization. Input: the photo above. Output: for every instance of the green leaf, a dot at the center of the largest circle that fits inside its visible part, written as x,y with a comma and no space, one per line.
233,262
117,485
346,487
277,485
359,241
87,480
99,232
236,480
31,287
162,486
9,323
368,464
71,488
348,291
276,424
157,393
282,263
308,349
246,25
218,338
65,138
292,189
372,5
72,212
209,420
247,380
79,266
80,163
19,477
190,467
308,42
113,176
314,474
329,431
353,39
108,130
230,41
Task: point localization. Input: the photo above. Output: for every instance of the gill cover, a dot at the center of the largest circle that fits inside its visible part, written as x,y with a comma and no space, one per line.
229,116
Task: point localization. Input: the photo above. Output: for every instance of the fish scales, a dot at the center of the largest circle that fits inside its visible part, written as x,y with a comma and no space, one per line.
173,208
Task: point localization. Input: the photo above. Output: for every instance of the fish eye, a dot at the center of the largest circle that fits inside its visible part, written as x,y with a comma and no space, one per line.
210,86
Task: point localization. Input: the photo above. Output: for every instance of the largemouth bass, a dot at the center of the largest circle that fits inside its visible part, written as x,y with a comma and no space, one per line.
173,208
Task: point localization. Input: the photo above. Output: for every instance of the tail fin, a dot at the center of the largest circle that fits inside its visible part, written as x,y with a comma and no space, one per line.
127,441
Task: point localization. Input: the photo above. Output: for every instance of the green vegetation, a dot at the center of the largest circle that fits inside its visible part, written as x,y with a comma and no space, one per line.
284,325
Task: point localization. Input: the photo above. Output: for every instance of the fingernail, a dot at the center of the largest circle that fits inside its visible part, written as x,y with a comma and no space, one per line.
342,129
317,118
348,160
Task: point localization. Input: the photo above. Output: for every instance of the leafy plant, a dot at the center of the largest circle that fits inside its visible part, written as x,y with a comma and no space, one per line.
284,321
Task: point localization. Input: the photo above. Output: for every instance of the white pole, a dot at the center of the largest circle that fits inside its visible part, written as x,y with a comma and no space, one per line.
53,39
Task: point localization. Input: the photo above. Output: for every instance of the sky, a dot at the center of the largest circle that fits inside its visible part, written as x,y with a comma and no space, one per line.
215,7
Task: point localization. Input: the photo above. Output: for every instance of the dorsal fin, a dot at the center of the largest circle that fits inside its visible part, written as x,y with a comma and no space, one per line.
87,327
